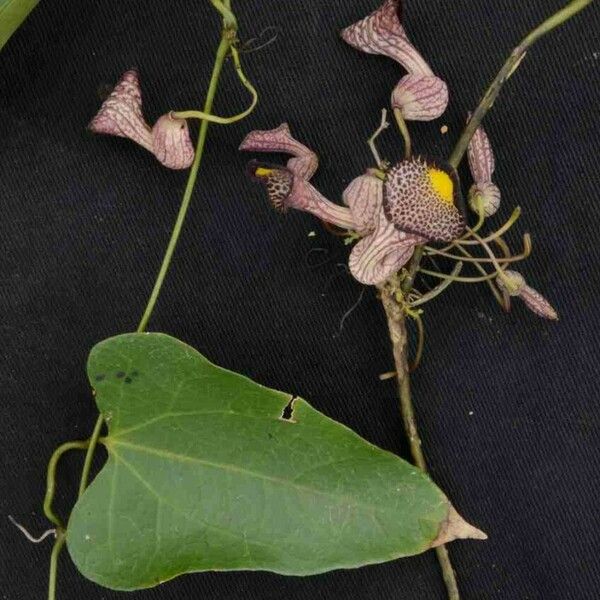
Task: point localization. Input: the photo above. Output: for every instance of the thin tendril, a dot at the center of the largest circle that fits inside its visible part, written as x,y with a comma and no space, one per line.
464,241
51,478
436,291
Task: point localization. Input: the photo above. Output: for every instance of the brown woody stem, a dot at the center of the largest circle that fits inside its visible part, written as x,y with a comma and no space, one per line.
396,320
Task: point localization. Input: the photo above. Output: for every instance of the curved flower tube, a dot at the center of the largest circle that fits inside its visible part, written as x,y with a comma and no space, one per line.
422,96
484,194
514,284
121,115
304,162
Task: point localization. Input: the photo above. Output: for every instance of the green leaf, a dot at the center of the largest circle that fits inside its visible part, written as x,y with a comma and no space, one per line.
208,470
12,14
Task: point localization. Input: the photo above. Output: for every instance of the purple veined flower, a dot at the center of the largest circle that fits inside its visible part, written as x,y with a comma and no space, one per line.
515,285
304,162
121,115
484,193
421,95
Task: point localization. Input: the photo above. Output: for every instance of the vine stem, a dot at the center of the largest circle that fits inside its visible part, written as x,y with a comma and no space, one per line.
228,38
510,66
396,321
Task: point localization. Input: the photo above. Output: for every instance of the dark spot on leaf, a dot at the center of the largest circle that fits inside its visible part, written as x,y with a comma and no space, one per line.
288,412
134,373
128,380
100,376
270,436
120,374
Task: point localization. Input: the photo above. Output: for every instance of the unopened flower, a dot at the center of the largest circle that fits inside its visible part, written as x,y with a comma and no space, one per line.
514,284
419,201
121,115
421,96
484,194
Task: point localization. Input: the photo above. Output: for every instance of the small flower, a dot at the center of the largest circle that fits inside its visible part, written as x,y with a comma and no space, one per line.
484,194
121,115
514,284
421,96
304,162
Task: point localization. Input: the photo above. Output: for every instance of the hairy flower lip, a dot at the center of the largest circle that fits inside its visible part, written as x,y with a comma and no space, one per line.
414,204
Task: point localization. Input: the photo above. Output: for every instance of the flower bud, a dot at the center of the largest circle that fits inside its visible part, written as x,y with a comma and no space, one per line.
484,196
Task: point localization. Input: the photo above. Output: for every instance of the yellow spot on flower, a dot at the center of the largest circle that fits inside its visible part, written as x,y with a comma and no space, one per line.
262,172
442,184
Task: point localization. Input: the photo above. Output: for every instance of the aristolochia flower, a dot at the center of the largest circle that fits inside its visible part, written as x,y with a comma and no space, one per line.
515,285
419,201
484,193
121,115
420,95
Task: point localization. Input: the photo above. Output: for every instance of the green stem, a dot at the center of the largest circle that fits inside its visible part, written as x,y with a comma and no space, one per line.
51,479
58,545
222,52
512,63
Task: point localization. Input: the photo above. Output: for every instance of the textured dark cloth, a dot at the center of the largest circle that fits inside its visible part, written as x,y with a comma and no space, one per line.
507,404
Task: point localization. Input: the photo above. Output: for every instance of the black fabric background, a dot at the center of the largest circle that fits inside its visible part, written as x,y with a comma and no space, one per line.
85,221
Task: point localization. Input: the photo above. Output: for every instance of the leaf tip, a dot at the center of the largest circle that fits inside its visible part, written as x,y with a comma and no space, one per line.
455,527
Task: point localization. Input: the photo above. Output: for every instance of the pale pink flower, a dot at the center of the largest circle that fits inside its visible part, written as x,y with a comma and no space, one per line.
421,96
121,115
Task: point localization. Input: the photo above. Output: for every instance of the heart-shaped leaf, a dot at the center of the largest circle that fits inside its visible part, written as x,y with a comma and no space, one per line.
208,470
12,14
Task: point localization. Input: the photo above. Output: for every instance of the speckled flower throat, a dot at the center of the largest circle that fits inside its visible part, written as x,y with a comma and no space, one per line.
423,196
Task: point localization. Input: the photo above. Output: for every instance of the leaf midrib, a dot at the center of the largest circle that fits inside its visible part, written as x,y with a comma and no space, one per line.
169,455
